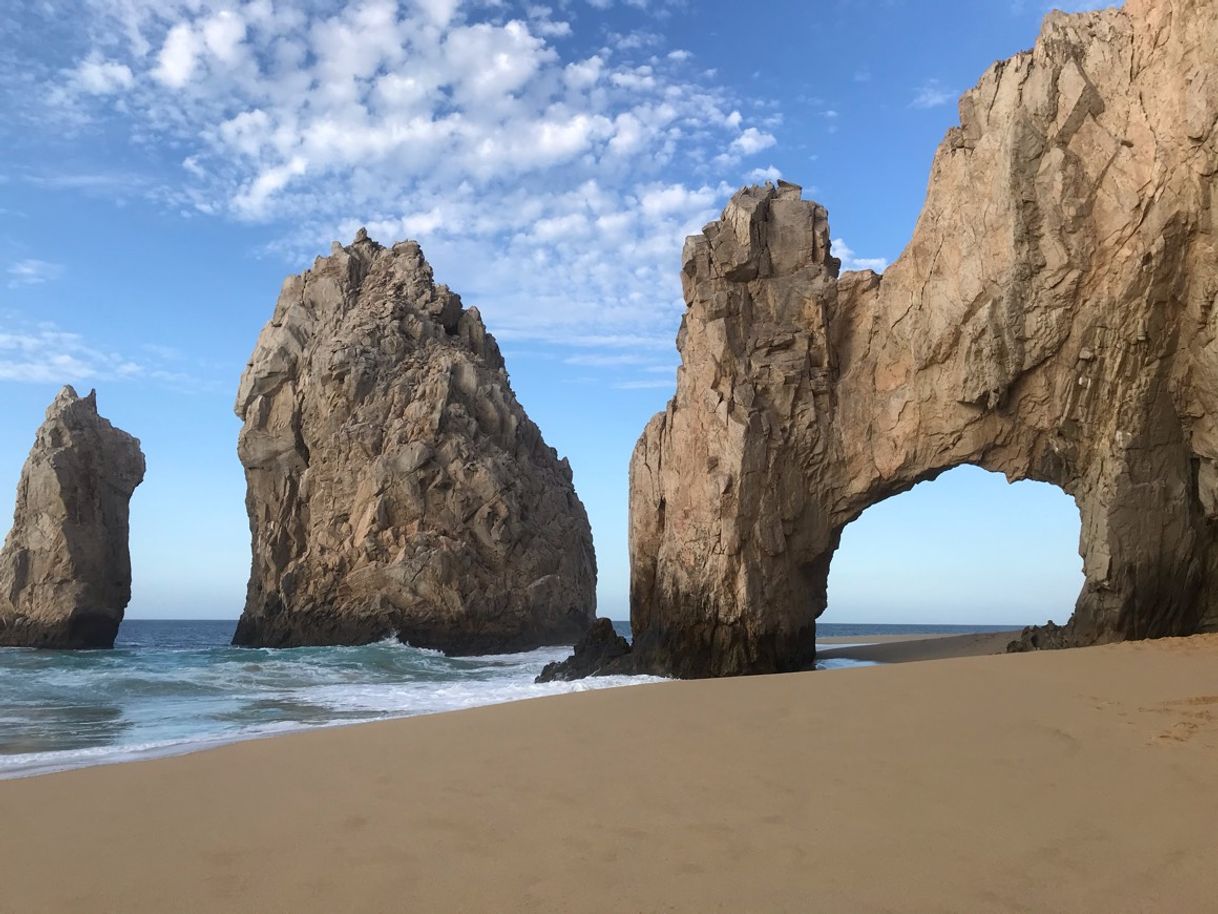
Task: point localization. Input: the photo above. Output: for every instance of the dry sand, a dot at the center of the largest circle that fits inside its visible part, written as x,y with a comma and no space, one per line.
1079,781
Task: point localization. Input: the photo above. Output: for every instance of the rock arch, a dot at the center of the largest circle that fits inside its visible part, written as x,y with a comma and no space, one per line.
1053,318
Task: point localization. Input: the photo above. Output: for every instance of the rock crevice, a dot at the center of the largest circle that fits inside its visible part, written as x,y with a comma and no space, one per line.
1052,318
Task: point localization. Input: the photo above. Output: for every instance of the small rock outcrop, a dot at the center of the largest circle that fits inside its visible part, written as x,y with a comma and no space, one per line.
395,485
596,654
1055,317
65,570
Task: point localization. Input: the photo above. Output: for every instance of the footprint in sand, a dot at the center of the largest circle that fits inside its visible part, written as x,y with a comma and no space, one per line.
1193,717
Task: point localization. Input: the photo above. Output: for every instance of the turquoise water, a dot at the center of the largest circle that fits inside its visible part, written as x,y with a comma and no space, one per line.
173,686
170,686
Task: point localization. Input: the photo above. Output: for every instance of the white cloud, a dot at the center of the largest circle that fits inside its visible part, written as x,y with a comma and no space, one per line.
32,272
439,12
98,76
552,189
223,34
178,57
45,354
932,94
841,250
761,175
252,200
752,140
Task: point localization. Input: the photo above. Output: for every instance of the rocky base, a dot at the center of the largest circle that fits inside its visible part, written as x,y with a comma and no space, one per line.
1052,637
702,651
601,652
332,628
80,632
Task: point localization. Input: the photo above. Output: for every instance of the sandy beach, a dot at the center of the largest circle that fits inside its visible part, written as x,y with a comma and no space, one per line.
1072,781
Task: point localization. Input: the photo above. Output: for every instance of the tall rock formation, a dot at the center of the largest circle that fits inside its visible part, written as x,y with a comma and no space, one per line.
65,570
1055,317
395,484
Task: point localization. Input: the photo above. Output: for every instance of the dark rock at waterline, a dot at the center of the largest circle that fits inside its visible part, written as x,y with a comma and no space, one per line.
1049,636
600,652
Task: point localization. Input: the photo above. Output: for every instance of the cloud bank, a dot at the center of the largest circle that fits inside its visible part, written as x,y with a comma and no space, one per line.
550,169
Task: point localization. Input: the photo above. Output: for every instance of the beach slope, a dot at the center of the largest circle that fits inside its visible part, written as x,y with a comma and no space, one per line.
1075,781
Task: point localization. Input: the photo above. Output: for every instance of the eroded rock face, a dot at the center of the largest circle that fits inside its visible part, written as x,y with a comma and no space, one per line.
1053,318
394,483
65,571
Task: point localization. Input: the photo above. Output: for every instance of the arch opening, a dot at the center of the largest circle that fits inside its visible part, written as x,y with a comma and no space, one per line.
964,549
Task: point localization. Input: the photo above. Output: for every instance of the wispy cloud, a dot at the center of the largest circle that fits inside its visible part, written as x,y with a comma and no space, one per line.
761,175
606,360
531,174
933,94
43,353
849,261
32,272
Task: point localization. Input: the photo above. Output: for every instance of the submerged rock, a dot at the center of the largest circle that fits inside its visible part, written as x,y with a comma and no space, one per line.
395,485
601,651
1055,317
65,570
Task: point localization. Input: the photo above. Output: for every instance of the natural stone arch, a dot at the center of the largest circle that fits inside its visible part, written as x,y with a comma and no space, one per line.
1052,319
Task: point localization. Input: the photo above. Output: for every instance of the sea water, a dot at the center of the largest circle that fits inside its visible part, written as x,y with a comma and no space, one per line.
173,686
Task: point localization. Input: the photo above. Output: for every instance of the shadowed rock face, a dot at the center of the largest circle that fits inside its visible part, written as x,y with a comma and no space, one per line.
598,653
1053,318
394,483
65,571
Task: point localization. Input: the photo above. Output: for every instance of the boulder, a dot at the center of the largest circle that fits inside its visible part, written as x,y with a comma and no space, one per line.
65,570
395,485
600,652
1055,317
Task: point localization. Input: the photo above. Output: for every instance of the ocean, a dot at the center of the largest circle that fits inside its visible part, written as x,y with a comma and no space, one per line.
174,686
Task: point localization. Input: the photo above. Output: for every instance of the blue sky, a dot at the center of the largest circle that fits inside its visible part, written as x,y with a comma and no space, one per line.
163,166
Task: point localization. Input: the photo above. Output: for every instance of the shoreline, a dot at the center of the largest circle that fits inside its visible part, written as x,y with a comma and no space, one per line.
36,762
992,783
909,649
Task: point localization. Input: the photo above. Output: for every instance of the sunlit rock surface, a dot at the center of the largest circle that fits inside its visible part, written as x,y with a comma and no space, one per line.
1053,318
395,485
65,570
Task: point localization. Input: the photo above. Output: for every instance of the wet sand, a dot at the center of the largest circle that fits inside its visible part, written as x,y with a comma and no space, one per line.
906,648
1074,781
